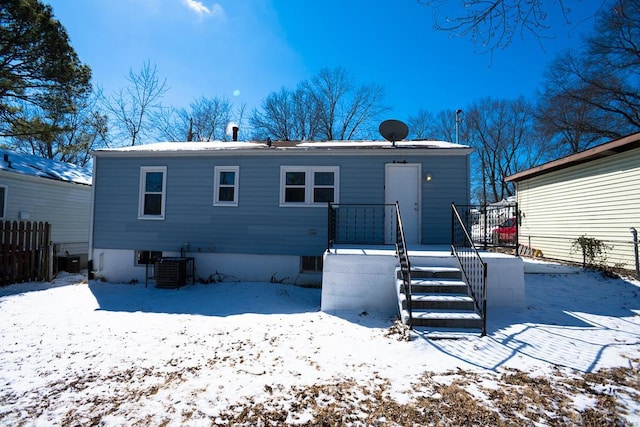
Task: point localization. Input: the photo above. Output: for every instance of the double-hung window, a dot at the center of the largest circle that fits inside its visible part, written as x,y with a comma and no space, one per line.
153,192
226,186
309,185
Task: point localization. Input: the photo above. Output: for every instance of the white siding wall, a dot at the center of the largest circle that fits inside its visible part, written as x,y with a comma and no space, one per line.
64,205
599,199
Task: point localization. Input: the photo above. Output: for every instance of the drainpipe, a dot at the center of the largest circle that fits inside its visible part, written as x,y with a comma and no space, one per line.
90,266
634,232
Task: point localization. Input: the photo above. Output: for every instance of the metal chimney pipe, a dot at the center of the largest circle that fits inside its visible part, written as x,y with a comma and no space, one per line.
235,133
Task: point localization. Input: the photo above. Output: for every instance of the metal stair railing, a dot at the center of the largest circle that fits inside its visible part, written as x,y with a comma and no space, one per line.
405,263
474,269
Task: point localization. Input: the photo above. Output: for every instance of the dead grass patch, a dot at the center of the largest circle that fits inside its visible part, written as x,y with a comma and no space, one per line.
508,398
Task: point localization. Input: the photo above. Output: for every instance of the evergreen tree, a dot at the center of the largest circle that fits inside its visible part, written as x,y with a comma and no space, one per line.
42,81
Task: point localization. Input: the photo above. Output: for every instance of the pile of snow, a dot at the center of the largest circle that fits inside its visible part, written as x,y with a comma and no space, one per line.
81,353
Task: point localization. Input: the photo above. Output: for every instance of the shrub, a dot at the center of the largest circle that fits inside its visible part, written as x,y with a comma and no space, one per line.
594,252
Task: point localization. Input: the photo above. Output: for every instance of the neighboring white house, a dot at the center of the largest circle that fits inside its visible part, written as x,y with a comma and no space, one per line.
33,188
594,193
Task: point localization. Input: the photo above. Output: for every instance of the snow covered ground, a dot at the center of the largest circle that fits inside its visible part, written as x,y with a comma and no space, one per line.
74,353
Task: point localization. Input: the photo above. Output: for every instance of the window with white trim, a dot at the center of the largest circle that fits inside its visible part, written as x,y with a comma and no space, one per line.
3,201
226,186
309,185
153,191
144,257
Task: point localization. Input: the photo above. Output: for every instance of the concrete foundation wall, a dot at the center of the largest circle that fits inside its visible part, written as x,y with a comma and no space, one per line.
505,282
118,266
359,282
364,279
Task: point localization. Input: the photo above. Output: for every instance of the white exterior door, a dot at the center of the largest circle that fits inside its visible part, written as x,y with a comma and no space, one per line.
402,184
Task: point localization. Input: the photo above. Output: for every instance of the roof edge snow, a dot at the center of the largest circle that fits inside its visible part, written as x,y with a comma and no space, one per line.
281,146
27,164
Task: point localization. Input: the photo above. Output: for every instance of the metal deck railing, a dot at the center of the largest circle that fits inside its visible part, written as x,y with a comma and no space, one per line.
474,269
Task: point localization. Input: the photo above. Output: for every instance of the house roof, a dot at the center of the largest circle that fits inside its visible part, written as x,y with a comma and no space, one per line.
26,164
278,147
616,146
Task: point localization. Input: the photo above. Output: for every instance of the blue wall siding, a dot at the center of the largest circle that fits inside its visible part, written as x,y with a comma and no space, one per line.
450,183
257,225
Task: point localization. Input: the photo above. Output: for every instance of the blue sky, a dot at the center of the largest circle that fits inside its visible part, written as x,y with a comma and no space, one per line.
245,49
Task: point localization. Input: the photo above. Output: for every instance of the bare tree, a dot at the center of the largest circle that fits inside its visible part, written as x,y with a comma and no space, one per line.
238,119
61,133
276,119
612,64
426,125
594,94
133,107
329,106
421,125
616,41
206,119
567,114
501,131
342,108
566,123
492,24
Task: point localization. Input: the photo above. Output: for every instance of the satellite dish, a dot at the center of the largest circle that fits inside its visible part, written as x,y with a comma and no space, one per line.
393,130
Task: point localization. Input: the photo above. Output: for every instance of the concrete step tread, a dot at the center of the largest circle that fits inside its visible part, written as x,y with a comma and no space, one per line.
437,281
434,269
441,297
447,333
445,314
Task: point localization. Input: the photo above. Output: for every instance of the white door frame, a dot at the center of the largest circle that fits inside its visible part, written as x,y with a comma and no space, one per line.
410,220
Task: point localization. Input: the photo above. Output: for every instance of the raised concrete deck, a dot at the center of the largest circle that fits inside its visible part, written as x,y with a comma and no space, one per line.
362,278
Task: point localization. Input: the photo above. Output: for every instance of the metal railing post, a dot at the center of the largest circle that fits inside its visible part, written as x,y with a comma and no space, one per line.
516,240
453,208
634,232
329,225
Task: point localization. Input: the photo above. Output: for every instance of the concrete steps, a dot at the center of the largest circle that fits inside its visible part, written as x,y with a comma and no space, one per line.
441,306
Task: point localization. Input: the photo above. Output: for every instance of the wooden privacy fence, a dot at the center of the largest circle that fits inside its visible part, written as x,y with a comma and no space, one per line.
26,251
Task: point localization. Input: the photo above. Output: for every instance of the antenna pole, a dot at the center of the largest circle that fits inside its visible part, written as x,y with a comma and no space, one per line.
458,120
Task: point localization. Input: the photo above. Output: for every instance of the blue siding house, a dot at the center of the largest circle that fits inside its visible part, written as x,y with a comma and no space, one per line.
254,211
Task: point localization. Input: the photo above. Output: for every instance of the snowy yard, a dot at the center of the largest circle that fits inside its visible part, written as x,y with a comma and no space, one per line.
74,353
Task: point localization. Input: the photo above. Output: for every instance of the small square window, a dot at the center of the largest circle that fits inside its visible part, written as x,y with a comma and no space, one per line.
311,264
226,194
153,204
153,182
295,178
322,195
323,178
294,195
